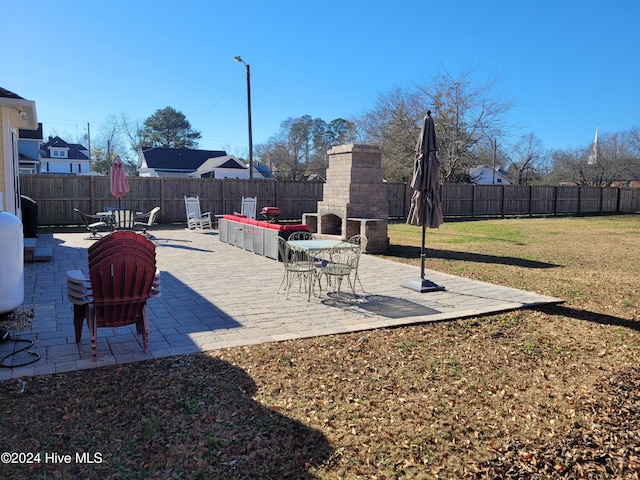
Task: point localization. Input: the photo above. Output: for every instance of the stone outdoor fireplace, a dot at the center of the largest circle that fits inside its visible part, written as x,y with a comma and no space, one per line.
354,198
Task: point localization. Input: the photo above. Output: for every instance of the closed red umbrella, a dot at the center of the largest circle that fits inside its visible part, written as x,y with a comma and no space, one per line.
426,207
119,182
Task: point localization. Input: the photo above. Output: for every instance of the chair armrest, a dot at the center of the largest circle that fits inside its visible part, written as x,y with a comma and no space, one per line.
86,300
77,276
155,286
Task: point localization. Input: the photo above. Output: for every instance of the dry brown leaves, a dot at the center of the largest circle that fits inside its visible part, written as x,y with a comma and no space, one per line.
17,319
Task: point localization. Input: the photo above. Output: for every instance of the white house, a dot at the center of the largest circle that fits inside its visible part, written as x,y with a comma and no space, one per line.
227,166
15,113
486,175
58,156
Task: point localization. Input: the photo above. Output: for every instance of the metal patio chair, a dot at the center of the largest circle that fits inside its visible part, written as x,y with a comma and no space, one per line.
92,223
297,265
343,262
300,236
122,219
360,240
146,221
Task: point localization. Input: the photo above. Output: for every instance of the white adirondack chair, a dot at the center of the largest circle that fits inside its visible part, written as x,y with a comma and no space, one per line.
196,220
249,207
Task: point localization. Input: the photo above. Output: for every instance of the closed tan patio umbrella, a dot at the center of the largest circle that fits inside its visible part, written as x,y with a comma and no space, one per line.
426,206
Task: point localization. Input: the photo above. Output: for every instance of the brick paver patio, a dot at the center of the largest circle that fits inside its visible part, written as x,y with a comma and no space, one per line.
215,295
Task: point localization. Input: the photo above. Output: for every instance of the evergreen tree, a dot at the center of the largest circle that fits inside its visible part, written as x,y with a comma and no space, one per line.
168,128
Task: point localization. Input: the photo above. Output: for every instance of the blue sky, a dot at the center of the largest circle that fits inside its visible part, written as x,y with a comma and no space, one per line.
569,66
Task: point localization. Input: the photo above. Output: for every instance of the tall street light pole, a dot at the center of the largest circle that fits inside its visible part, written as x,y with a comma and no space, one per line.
239,59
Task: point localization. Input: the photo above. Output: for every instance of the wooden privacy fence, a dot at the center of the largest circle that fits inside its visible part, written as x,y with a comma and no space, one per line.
58,195
464,200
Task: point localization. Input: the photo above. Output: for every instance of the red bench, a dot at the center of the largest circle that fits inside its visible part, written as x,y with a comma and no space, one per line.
257,236
283,227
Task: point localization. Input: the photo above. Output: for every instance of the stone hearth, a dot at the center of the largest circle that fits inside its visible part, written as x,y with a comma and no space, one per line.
354,198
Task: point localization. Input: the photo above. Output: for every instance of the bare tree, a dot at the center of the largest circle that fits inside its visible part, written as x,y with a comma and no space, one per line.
528,160
131,130
467,118
616,161
300,147
634,135
108,143
394,125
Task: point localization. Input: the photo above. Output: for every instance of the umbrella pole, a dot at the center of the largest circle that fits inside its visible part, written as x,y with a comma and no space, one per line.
423,285
423,253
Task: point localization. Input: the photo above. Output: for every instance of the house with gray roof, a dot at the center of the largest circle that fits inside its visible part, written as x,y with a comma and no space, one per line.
172,162
186,162
59,156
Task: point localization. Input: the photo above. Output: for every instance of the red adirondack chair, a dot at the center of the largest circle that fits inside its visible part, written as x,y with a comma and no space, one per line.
121,273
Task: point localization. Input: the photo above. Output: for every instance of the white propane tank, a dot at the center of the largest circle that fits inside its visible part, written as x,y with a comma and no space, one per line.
11,262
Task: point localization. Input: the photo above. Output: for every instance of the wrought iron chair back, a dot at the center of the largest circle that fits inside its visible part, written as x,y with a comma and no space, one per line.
297,265
343,262
360,240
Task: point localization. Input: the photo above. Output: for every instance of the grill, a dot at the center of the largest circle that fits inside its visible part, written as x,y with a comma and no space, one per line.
271,214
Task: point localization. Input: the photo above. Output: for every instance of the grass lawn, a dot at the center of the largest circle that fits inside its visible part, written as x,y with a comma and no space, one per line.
552,392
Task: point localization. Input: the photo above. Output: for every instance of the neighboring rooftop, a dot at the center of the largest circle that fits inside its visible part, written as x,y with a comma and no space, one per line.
182,160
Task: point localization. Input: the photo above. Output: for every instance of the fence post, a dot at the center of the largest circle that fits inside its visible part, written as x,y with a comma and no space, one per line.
92,182
473,201
601,198
162,205
579,199
404,199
